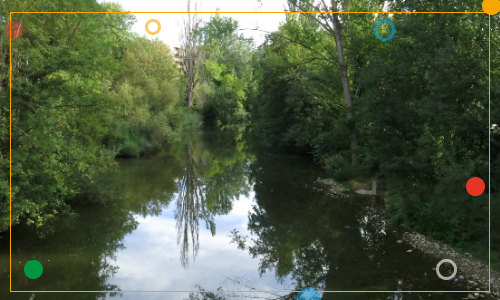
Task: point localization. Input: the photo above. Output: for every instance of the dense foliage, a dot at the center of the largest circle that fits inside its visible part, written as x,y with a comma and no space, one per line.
84,89
411,112
420,104
147,91
227,70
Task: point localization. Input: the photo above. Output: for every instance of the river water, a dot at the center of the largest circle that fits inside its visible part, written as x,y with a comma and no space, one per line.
215,213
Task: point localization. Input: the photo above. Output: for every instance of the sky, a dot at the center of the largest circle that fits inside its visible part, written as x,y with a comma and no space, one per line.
171,24
150,258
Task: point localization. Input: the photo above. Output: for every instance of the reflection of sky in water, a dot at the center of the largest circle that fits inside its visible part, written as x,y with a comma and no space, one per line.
218,261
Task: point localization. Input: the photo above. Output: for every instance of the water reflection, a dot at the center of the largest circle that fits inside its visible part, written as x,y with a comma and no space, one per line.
330,243
80,256
202,175
295,231
214,175
190,207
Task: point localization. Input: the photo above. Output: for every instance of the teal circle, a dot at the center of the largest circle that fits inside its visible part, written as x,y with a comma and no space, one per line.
33,269
392,32
308,293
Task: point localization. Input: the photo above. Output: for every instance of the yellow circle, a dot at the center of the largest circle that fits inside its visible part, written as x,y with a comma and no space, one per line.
157,23
491,7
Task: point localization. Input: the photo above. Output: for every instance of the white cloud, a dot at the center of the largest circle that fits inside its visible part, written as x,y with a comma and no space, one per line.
151,259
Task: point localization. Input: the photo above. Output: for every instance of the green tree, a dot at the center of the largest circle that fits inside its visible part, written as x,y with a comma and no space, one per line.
59,105
227,71
420,107
425,115
74,110
147,99
299,103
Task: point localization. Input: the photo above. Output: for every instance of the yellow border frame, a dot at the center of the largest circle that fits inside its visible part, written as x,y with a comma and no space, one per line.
489,154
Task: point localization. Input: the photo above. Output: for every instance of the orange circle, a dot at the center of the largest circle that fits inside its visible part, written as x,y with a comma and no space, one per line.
16,28
491,7
157,23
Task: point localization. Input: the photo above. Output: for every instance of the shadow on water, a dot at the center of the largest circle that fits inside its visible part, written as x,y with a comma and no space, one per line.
296,229
332,243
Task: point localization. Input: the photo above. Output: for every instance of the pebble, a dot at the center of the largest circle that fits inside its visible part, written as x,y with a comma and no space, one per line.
472,270
408,251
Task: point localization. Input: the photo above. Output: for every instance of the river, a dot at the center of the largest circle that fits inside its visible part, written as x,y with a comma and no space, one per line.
215,212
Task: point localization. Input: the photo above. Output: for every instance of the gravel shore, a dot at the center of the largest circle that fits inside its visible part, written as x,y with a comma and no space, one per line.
470,269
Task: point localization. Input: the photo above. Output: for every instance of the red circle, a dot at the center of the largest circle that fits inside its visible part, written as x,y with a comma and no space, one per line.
17,29
475,186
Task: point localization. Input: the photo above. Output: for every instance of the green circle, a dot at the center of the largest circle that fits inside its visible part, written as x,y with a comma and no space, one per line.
33,269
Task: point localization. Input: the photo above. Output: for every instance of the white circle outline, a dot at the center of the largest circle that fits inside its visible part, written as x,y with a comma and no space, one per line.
454,269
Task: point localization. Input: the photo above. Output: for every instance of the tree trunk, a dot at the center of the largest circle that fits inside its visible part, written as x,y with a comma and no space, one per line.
191,53
346,88
189,100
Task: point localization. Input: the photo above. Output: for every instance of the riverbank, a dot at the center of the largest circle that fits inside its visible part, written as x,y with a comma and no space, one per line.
471,271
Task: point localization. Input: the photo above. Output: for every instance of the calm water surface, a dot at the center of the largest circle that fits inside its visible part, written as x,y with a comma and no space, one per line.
211,213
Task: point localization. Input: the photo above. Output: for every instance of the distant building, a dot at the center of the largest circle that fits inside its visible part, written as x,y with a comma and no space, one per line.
178,56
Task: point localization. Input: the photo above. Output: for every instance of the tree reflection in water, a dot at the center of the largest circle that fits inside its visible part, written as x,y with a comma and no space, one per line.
190,203
204,174
215,174
302,234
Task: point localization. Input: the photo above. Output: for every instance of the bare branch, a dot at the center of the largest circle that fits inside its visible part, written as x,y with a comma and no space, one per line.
191,51
319,54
